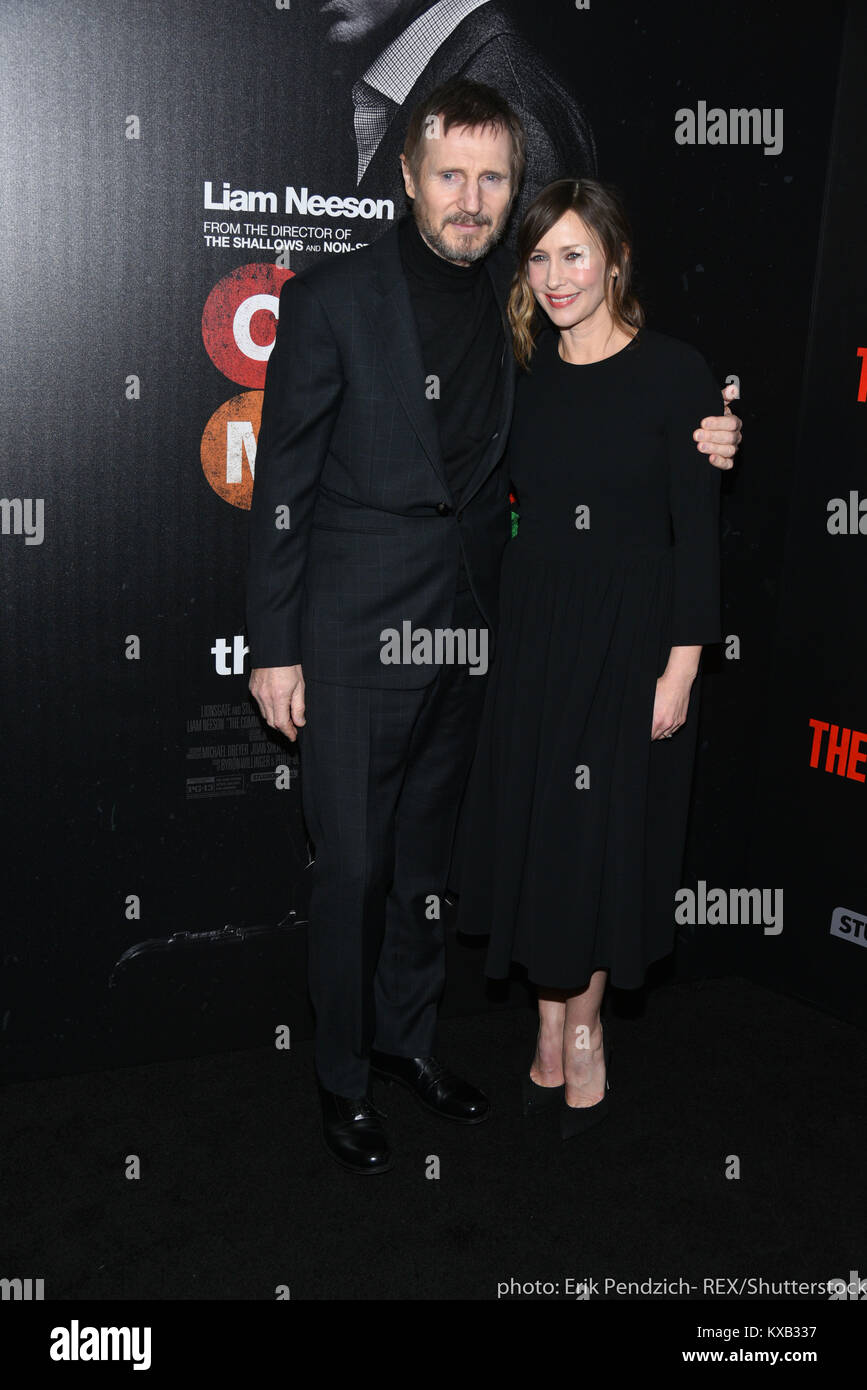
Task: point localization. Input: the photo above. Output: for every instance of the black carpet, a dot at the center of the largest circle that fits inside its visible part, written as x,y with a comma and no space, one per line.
238,1197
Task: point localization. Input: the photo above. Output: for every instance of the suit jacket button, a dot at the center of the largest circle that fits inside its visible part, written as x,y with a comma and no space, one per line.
444,509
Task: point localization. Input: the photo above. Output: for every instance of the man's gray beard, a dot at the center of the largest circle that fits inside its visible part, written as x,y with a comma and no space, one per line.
436,239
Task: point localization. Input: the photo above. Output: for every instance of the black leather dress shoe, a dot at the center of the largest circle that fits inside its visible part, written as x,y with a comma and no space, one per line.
434,1085
353,1134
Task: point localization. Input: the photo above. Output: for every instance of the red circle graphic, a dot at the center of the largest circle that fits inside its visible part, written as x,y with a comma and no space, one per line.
239,321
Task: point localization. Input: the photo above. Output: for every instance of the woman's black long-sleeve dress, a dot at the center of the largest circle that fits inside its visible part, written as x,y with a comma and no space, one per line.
573,825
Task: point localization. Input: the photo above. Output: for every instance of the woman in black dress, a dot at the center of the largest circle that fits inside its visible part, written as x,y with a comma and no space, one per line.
575,816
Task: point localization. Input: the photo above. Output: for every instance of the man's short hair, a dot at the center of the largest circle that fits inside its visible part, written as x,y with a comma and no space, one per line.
460,102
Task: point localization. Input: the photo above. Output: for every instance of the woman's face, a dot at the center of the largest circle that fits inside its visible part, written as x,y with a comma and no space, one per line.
566,272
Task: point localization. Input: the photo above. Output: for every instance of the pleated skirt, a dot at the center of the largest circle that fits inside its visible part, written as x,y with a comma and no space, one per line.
572,831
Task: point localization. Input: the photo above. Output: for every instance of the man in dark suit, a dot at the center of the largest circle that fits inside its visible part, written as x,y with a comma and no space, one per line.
379,509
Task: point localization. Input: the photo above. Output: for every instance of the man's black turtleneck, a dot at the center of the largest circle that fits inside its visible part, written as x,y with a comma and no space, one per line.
462,342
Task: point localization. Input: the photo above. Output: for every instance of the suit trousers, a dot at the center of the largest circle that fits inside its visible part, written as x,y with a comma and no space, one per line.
382,775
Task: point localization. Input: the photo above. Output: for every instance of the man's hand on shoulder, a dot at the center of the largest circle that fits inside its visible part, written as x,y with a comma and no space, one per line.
720,435
279,693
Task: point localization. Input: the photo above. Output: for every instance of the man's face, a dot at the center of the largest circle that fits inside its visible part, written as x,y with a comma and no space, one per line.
464,190
349,21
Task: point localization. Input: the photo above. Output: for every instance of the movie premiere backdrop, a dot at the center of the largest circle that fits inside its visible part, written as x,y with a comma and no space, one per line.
166,167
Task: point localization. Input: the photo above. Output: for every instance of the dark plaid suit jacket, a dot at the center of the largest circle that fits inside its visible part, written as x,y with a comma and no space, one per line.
349,445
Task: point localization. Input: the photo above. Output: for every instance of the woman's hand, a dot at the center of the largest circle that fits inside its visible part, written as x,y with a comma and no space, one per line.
671,705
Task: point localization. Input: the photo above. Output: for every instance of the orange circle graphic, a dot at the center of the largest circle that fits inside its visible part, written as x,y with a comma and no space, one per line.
228,449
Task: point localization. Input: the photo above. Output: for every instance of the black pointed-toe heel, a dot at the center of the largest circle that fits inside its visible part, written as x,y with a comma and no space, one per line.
535,1099
575,1120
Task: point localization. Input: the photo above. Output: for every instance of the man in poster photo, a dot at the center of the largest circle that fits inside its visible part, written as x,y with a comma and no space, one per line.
400,50
398,512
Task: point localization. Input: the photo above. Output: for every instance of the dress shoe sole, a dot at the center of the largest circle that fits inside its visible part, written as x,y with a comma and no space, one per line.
435,1110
